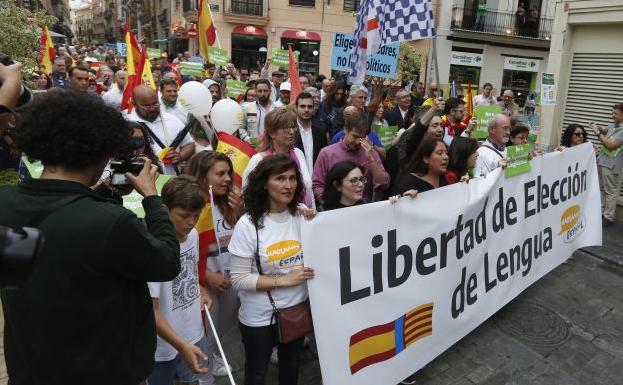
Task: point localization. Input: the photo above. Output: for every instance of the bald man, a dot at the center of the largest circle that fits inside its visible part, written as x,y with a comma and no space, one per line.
163,128
492,153
114,96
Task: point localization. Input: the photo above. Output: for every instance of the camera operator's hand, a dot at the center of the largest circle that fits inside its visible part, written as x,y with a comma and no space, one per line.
145,182
11,79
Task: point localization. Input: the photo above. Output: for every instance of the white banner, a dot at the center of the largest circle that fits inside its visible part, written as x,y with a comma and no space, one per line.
396,285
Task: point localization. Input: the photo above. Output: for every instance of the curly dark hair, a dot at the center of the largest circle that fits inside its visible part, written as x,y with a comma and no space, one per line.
65,129
566,135
255,195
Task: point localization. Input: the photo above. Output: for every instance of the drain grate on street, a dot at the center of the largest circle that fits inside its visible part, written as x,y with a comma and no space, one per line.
533,325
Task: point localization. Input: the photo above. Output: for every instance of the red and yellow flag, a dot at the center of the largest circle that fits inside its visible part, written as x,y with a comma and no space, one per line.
47,53
207,31
238,151
470,100
295,82
382,342
134,64
207,236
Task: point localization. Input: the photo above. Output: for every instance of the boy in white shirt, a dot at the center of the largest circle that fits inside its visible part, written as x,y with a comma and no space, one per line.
182,348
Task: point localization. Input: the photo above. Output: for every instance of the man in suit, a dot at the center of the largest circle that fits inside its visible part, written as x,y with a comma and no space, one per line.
396,116
311,138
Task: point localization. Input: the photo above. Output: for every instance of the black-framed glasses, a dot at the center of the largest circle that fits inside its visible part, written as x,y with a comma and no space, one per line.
579,134
358,180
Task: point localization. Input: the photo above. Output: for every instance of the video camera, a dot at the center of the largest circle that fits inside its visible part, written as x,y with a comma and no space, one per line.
120,167
18,250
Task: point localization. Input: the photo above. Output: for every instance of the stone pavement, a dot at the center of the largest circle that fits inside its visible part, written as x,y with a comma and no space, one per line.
565,329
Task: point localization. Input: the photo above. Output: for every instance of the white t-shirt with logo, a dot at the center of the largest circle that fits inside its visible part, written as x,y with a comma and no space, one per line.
220,261
279,250
180,300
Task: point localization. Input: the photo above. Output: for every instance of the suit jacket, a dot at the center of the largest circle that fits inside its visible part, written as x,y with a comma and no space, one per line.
319,138
394,118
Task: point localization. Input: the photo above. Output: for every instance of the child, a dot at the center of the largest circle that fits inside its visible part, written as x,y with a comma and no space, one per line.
182,349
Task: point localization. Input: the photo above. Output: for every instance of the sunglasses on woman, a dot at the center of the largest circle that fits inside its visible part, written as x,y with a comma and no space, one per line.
579,134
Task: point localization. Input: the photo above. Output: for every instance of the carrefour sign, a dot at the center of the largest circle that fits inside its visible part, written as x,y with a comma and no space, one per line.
466,59
521,64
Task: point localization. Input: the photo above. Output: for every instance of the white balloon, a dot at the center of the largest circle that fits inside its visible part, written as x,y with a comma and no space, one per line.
196,99
226,116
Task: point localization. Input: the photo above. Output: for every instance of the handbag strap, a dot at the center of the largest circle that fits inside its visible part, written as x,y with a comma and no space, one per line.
259,268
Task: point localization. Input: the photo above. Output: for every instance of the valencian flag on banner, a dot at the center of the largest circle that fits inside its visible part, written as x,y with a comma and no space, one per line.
382,342
207,31
238,151
47,53
134,62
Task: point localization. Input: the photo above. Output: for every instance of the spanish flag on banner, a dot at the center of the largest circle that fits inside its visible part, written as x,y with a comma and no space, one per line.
134,64
238,151
207,31
382,342
207,236
47,53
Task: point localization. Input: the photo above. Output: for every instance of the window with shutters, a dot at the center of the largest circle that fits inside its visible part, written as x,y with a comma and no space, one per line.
305,3
351,5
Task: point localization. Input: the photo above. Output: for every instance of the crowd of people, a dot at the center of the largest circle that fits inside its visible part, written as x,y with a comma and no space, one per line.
206,241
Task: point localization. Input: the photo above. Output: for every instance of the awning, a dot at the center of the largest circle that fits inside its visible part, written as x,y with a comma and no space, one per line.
301,35
250,30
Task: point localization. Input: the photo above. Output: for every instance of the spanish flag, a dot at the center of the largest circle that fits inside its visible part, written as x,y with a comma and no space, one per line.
238,151
382,342
148,77
134,64
47,53
207,31
207,236
469,109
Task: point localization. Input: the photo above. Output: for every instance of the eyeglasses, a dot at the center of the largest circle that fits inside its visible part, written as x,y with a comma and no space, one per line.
294,128
361,180
579,134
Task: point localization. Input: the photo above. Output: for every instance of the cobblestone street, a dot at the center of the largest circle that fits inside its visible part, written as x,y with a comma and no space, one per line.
565,329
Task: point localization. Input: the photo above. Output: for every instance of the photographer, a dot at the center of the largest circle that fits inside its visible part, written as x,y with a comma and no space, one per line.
85,314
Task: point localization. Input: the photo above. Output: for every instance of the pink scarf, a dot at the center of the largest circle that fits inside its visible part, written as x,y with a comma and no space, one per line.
305,197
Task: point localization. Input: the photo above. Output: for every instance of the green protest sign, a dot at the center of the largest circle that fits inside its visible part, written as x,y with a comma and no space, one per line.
386,134
217,56
35,169
482,115
191,69
518,160
235,88
153,53
134,201
281,58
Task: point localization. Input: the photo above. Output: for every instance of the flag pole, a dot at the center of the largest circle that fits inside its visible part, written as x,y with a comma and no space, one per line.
218,343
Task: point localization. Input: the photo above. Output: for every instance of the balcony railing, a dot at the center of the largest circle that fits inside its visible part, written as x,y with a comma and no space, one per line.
501,23
245,7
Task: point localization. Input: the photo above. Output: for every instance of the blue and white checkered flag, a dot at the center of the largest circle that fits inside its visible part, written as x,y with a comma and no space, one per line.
402,20
358,54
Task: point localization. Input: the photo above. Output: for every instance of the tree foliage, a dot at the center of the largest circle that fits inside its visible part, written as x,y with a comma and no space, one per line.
409,62
20,32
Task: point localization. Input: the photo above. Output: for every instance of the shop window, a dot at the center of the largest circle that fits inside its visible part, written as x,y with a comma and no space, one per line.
462,76
245,51
309,53
351,5
520,82
306,3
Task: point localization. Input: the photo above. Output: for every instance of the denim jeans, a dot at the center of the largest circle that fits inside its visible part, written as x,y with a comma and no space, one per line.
258,345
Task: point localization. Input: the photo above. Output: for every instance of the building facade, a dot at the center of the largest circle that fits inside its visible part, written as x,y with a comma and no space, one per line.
586,59
506,44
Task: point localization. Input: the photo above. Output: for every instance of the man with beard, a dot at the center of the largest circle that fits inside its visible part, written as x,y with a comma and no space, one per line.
284,95
215,89
456,121
311,138
492,153
256,112
114,96
356,147
59,73
169,102
163,128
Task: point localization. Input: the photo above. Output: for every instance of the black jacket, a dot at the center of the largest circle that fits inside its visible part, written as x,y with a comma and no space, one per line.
394,118
85,313
319,137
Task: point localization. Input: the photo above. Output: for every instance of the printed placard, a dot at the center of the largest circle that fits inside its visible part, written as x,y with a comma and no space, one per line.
281,58
235,88
217,56
191,69
518,160
153,53
386,134
482,115
382,64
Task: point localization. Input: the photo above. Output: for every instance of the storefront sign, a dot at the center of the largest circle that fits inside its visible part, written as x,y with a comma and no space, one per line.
217,56
521,64
382,64
281,58
548,89
466,59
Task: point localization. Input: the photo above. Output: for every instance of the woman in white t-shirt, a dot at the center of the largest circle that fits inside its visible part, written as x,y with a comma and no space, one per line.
280,127
270,228
215,172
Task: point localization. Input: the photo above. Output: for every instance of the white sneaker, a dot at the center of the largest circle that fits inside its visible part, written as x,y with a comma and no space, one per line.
274,358
218,366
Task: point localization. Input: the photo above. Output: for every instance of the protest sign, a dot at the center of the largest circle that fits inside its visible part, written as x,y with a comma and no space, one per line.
482,115
217,56
382,64
191,69
412,279
235,88
518,160
111,46
281,58
548,89
386,134
153,53
122,49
